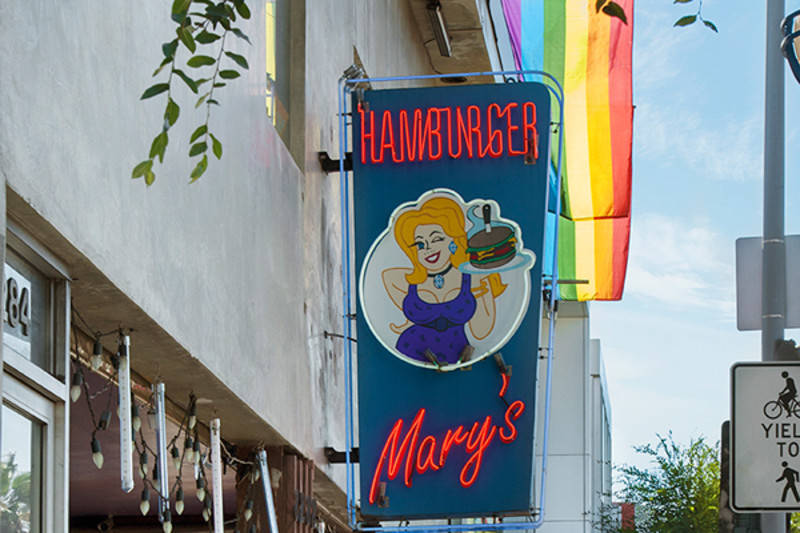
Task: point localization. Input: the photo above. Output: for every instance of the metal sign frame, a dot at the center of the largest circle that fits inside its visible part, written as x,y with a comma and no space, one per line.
733,451
347,84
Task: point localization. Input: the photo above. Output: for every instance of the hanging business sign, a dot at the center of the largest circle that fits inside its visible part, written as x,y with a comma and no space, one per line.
765,437
450,199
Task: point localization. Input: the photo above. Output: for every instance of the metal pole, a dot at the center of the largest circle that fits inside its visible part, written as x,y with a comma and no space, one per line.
773,284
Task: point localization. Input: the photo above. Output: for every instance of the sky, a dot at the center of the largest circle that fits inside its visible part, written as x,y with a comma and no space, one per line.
668,345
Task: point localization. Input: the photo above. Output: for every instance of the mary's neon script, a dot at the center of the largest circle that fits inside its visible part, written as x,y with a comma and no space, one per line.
430,453
427,134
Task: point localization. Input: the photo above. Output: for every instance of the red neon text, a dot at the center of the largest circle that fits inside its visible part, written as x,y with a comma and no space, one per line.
407,452
426,134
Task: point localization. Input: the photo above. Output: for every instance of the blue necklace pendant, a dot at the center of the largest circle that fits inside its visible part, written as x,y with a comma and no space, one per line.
438,281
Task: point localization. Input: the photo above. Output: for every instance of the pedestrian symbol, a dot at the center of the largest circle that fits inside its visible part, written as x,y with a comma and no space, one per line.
790,476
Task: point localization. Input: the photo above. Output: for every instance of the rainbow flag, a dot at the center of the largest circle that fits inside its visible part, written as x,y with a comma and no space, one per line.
590,54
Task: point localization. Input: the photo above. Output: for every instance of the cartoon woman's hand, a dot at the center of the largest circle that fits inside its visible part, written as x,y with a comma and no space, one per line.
399,329
492,283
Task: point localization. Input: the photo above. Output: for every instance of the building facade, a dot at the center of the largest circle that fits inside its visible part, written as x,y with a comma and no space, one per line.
229,288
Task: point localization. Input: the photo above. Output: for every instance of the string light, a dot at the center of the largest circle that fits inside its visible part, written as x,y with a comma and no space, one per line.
192,414
143,464
97,453
105,420
167,523
248,510
77,383
196,452
97,354
187,449
144,505
179,501
207,510
176,457
136,420
201,489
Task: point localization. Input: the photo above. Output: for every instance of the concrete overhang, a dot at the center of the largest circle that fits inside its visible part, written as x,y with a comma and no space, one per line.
472,38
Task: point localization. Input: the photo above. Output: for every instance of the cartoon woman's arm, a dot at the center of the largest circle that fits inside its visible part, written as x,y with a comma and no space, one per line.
485,290
394,281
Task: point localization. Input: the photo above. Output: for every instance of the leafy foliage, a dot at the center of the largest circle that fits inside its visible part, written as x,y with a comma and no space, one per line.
200,25
688,20
680,493
15,493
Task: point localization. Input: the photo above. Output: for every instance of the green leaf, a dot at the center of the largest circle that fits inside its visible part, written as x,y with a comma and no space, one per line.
228,74
159,146
172,112
142,168
197,149
192,84
167,61
169,48
198,132
240,60
229,12
242,8
219,84
212,101
685,21
240,34
149,177
200,61
179,6
206,37
599,5
216,146
200,168
683,1
186,38
216,11
201,100
711,25
613,9
158,88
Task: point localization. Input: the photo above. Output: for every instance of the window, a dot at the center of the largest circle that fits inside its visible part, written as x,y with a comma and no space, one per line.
34,446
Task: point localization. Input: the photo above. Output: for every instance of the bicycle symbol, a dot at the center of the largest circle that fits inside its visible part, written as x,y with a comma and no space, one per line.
775,408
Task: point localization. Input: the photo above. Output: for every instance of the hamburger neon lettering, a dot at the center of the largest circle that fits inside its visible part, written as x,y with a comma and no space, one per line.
427,134
430,453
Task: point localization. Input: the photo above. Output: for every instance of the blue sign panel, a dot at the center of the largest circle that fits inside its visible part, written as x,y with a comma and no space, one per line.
450,194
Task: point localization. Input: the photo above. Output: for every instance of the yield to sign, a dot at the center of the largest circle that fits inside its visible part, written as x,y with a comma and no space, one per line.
765,437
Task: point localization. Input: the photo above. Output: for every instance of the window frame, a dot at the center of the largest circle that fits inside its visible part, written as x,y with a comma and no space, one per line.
40,394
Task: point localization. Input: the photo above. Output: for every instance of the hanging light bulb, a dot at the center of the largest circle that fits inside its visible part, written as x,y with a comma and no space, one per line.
179,501
105,420
192,414
75,389
176,457
248,510
97,355
196,452
201,489
144,505
97,453
143,464
187,449
166,525
136,420
207,510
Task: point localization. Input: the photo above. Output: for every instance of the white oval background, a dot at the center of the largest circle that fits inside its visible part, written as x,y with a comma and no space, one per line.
379,310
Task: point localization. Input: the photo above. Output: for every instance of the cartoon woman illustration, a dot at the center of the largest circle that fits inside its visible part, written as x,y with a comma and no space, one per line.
436,298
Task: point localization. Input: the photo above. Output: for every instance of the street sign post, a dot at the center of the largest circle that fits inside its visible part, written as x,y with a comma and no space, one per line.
765,437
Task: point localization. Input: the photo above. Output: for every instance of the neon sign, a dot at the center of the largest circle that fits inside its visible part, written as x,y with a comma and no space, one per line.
423,457
424,134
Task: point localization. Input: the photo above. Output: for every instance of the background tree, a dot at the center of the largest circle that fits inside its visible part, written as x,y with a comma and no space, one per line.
679,493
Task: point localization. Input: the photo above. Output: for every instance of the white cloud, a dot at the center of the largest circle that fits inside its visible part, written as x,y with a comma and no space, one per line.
713,147
680,263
